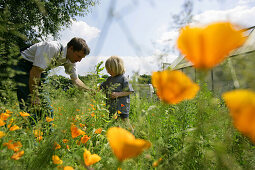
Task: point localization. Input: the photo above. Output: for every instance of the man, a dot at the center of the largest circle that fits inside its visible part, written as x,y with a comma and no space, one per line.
43,56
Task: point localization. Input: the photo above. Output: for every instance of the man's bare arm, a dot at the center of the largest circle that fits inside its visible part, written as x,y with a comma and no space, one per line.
120,94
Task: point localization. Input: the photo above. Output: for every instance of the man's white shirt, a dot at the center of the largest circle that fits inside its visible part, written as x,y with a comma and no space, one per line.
48,55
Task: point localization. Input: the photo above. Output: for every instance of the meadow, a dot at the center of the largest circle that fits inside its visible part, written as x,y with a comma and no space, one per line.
204,132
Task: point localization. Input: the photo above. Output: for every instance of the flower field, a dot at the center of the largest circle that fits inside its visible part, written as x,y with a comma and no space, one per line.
184,127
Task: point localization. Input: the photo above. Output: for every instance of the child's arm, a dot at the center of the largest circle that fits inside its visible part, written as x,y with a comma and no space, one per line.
120,94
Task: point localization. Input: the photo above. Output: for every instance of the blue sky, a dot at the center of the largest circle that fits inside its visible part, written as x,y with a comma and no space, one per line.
141,29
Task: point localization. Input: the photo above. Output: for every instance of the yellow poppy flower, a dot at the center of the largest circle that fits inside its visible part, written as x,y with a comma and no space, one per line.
124,144
89,158
17,155
207,47
76,131
56,159
174,86
4,116
241,104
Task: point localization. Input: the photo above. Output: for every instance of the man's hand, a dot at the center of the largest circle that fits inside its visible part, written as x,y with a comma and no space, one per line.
81,85
115,95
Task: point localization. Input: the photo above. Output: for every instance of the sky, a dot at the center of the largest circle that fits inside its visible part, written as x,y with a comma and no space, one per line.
142,32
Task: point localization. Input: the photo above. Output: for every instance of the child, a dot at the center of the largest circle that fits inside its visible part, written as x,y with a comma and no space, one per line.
117,89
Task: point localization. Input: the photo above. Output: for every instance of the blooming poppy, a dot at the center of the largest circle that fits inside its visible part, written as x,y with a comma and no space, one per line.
4,116
76,131
98,131
49,119
57,146
65,140
241,104
13,146
2,123
124,144
68,168
174,86
17,155
2,134
8,111
156,163
24,114
15,127
122,105
38,134
56,159
89,158
119,112
207,46
84,139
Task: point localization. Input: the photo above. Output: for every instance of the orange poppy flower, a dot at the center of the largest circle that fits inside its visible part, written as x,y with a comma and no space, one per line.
2,123
2,134
89,158
92,114
17,155
8,111
241,104
68,168
13,146
122,105
49,119
98,131
57,146
38,134
84,139
207,47
174,86
56,159
65,140
124,144
4,116
76,131
156,163
24,114
15,127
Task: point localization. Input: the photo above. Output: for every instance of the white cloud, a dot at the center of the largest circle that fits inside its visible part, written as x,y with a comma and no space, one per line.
79,29
241,15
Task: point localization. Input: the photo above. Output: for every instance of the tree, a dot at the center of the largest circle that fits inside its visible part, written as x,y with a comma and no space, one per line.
24,22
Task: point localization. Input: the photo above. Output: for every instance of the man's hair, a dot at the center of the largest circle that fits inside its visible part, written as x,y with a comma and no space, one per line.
78,45
115,65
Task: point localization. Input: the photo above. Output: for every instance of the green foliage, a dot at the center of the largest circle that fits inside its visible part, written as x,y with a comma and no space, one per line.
144,79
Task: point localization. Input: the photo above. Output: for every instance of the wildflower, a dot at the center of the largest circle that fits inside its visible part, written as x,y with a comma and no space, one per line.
13,146
76,132
124,144
82,125
57,146
49,119
8,111
65,140
98,131
17,155
2,134
56,159
156,163
15,127
119,112
207,47
92,114
115,116
4,116
78,110
122,105
38,134
24,114
241,104
89,158
68,147
2,123
68,168
85,139
174,86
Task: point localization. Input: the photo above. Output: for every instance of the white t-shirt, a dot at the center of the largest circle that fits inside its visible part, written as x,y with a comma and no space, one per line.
48,55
